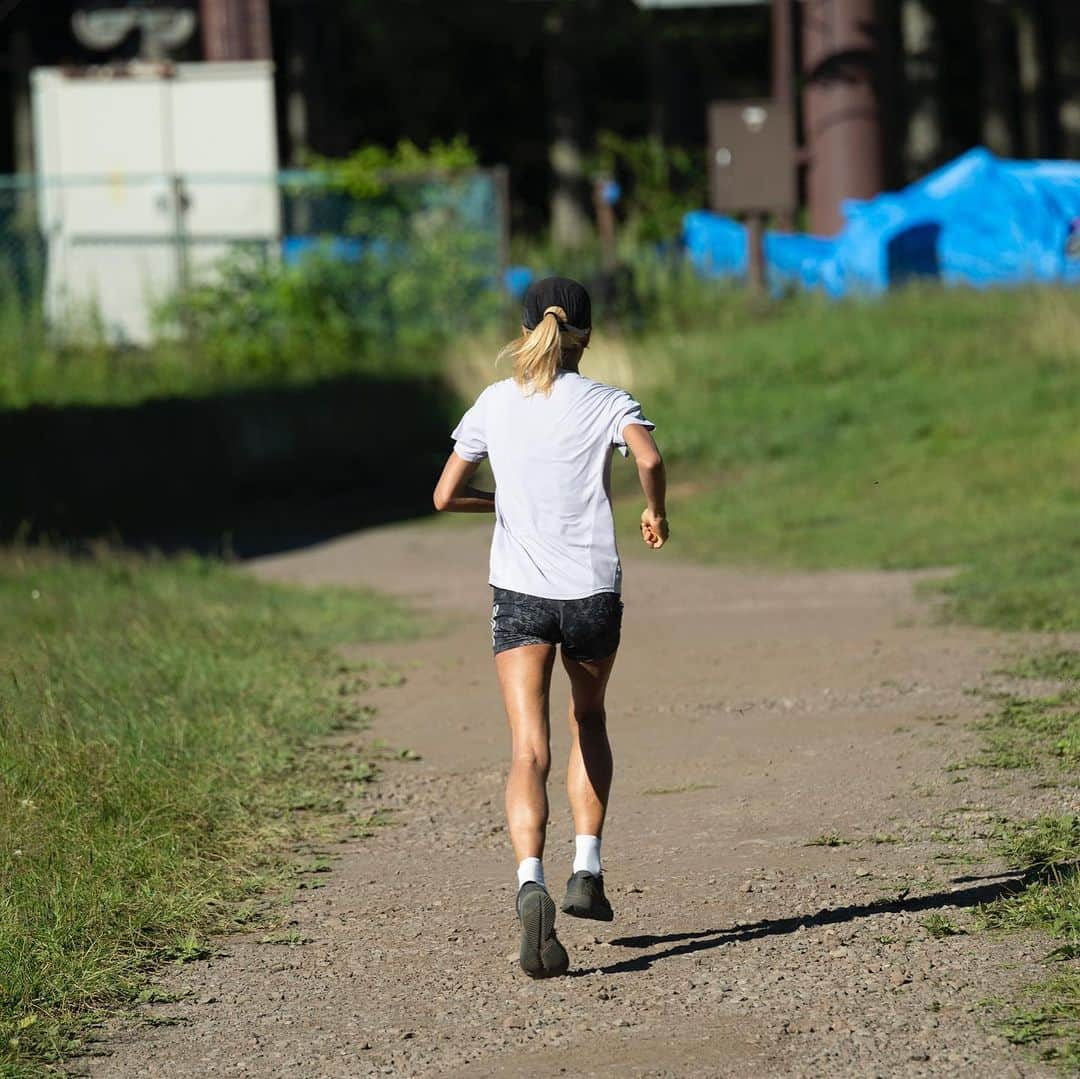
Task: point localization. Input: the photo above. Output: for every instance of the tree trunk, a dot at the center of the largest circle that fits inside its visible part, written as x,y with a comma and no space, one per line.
569,197
997,55
657,61
1068,64
297,120
22,121
1038,76
892,91
924,144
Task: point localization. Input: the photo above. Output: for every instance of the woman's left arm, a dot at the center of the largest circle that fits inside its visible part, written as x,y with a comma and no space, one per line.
453,493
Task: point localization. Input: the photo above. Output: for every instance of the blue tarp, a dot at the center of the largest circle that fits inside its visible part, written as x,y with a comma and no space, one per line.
343,248
978,221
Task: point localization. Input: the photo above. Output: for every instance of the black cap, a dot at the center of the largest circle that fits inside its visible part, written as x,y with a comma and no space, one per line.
558,292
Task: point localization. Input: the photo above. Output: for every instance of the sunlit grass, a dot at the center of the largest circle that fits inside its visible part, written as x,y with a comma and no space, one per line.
154,723
1048,849
928,429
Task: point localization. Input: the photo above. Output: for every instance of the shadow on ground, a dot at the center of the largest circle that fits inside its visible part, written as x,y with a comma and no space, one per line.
690,943
246,473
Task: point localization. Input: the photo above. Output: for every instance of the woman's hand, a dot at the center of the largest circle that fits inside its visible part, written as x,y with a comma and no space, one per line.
654,529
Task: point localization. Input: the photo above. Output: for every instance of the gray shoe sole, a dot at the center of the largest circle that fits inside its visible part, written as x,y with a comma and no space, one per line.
541,954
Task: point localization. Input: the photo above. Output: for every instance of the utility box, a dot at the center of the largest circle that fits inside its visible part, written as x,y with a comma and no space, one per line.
752,157
148,174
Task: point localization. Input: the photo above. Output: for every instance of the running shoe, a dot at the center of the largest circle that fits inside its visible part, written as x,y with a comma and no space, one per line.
541,954
585,897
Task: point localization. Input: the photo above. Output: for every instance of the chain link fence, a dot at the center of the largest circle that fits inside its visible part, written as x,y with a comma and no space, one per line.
117,258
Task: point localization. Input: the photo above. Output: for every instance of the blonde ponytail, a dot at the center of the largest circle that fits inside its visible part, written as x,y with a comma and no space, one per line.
537,354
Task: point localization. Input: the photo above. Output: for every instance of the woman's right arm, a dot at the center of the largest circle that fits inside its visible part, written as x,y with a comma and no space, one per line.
650,466
453,493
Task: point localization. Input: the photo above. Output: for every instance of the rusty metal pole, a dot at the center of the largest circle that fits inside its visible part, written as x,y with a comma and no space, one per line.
783,50
236,29
843,125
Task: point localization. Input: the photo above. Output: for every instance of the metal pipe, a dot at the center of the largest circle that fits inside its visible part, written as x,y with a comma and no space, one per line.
783,51
843,125
782,33
236,29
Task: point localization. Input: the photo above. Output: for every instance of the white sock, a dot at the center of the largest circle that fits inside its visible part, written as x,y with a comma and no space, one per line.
531,869
587,854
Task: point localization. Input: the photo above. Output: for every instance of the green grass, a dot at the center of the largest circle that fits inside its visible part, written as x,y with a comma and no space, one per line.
154,723
1057,665
1038,732
37,369
90,374
940,926
930,429
1052,1023
1026,731
1048,848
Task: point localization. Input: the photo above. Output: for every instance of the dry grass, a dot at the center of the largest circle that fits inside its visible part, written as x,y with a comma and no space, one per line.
1053,326
471,365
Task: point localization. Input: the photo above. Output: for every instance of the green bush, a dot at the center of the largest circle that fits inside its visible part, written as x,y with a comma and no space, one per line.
385,311
376,172
662,183
407,259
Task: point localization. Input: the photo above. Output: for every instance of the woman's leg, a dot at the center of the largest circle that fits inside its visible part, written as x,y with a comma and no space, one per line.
588,777
525,680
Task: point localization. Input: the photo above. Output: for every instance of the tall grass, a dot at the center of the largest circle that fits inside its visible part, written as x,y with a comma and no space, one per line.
153,716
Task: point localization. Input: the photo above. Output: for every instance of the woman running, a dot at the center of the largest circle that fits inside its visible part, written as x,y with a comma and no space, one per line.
549,433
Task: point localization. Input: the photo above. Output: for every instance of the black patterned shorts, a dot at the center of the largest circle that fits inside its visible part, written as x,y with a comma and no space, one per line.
588,629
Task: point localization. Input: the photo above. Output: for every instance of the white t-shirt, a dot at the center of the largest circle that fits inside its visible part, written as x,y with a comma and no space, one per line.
551,456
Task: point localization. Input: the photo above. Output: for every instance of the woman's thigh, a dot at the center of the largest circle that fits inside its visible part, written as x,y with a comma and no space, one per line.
588,686
525,681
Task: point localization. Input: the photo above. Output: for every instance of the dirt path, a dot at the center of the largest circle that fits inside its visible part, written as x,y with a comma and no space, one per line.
750,714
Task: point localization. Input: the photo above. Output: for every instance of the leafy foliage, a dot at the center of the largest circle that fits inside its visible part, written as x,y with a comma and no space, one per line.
663,182
406,257
374,171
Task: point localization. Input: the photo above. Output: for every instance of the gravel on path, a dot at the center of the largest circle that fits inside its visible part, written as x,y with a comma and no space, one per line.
751,714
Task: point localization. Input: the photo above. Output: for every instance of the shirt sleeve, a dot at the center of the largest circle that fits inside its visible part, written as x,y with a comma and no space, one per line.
470,435
624,412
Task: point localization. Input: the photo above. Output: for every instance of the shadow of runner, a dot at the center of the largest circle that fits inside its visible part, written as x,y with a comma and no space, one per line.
704,939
